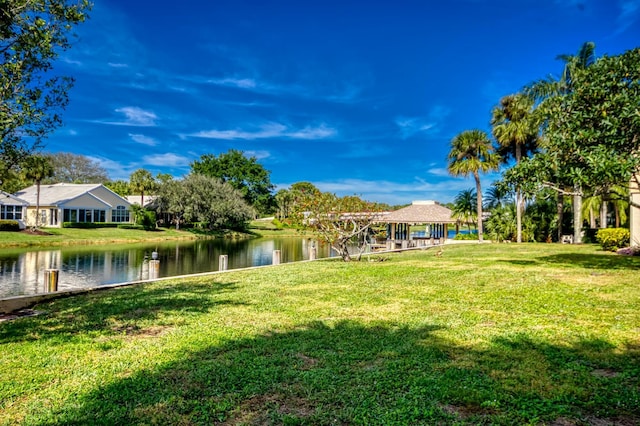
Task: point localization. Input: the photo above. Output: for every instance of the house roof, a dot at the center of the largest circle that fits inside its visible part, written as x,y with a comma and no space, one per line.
59,193
421,212
8,199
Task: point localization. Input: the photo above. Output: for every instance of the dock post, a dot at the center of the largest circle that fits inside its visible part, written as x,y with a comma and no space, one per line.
276,257
51,280
154,269
224,262
313,253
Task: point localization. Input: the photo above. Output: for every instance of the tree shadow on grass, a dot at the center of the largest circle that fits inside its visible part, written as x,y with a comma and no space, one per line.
601,260
116,311
350,373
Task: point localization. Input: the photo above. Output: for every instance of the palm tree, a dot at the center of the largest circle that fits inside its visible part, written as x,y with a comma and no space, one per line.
37,168
464,207
472,153
142,181
497,196
516,130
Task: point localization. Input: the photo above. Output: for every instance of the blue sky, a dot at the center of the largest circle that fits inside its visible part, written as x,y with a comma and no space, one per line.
357,97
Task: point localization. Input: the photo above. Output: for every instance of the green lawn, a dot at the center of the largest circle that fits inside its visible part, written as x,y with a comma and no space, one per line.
485,334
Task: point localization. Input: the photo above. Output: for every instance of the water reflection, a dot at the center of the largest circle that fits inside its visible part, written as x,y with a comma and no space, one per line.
22,271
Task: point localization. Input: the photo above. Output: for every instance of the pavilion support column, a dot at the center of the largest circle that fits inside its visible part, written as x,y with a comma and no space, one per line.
634,211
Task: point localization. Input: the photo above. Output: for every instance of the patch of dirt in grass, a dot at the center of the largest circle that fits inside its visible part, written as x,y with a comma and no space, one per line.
595,421
34,231
462,412
258,410
135,330
605,372
308,362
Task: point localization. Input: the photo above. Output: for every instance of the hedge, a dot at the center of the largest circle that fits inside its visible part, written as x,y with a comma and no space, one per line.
90,225
613,238
9,225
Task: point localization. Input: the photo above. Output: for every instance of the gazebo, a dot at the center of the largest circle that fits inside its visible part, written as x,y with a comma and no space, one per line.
435,216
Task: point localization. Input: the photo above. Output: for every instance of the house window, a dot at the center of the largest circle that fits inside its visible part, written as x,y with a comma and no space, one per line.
83,215
10,212
120,214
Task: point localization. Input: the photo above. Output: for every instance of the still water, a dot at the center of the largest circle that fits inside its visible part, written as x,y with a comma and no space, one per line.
22,270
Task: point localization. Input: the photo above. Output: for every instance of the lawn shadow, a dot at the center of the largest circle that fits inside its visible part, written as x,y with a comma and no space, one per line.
115,311
599,260
351,373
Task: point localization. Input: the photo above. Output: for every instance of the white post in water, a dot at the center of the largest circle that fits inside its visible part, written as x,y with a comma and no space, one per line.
313,252
276,257
224,262
51,280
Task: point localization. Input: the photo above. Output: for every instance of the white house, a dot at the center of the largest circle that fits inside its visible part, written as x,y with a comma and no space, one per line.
68,202
12,208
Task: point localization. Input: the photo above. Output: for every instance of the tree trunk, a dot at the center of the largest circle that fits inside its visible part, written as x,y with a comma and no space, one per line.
634,209
577,215
38,204
519,208
592,219
519,199
603,214
479,205
560,212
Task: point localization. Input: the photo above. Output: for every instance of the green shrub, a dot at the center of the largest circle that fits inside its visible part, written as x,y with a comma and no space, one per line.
9,225
131,226
146,219
277,224
612,239
472,236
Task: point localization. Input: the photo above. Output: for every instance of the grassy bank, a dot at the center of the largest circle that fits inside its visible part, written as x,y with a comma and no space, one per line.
77,236
484,334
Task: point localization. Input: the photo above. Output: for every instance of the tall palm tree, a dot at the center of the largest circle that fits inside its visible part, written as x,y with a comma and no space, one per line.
472,153
37,168
142,181
564,85
516,130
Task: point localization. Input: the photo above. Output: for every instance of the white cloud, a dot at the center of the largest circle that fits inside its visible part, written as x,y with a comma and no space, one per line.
168,159
438,171
269,131
260,155
117,65
134,116
410,126
242,83
629,13
142,139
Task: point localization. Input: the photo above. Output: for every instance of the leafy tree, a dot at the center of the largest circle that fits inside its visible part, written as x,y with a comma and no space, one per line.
338,221
243,173
501,225
198,198
592,132
32,35
120,187
515,128
558,87
37,168
74,168
472,153
142,181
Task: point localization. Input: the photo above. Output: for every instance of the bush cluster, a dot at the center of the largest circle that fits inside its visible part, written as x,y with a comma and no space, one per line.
471,236
9,225
612,239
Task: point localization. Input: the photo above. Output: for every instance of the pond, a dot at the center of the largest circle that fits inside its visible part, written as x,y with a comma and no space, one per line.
22,271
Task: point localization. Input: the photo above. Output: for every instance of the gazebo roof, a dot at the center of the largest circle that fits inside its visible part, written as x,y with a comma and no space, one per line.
421,212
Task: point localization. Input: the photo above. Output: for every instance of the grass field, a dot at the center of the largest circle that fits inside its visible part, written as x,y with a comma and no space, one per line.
484,334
